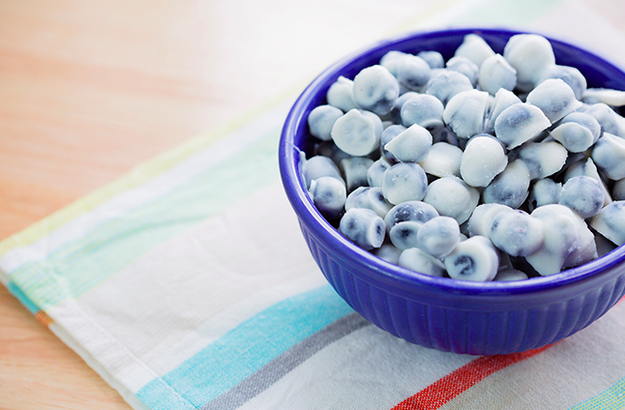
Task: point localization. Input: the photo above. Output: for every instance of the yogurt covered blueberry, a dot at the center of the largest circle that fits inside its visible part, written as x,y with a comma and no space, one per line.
483,167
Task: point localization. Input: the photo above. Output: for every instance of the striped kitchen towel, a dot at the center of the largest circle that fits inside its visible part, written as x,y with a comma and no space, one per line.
187,285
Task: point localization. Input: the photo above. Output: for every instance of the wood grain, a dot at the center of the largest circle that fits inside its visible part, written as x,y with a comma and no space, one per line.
90,89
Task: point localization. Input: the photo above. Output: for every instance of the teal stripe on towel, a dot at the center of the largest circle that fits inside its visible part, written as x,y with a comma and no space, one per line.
610,399
223,364
21,296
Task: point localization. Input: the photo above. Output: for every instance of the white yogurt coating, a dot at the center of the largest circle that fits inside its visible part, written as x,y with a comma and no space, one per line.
615,98
511,187
439,236
322,119
583,195
413,72
375,89
473,168
433,58
464,66
419,261
443,160
375,173
483,159
355,171
567,240
465,113
577,131
542,159
609,120
411,145
447,83
339,94
570,75
424,110
475,259
390,132
393,60
363,227
369,198
387,252
529,54
610,222
356,133
403,222
503,99
405,181
520,123
394,117
410,211
452,197
555,98
507,274
545,191
403,235
481,219
609,155
516,232
328,195
589,169
475,49
320,166
496,73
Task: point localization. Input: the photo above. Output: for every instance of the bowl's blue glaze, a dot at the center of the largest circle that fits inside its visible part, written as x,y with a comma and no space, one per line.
441,313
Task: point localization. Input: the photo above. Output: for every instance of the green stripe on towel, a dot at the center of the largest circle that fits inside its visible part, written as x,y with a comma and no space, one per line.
77,267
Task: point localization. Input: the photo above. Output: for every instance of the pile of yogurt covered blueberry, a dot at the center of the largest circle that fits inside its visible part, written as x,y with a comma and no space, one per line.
485,167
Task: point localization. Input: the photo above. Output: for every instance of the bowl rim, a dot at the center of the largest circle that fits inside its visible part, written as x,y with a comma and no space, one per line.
334,242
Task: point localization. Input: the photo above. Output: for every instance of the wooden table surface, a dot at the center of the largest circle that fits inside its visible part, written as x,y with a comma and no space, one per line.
89,89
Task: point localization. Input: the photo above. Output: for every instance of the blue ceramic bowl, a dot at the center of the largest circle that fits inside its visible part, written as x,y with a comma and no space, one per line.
441,313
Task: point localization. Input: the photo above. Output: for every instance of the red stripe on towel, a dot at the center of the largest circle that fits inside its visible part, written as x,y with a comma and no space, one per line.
44,318
461,379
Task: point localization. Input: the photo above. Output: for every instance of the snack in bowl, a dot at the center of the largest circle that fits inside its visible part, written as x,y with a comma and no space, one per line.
493,151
